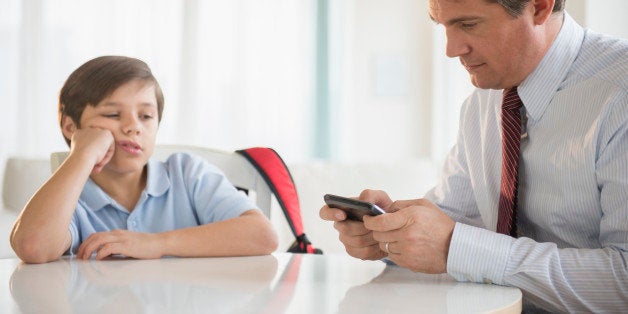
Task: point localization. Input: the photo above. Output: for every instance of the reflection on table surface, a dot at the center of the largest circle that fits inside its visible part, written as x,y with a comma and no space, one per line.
278,283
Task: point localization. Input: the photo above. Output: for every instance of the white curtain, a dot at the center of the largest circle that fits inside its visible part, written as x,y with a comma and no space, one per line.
235,73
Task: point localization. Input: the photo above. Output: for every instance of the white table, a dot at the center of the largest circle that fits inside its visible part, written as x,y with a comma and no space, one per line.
278,283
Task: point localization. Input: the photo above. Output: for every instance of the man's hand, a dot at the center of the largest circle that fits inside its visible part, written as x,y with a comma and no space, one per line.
418,234
122,242
358,240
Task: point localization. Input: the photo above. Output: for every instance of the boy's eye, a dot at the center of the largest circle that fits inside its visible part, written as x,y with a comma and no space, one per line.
146,116
111,115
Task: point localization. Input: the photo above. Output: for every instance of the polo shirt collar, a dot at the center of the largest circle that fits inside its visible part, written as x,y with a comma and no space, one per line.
158,181
538,89
94,197
157,184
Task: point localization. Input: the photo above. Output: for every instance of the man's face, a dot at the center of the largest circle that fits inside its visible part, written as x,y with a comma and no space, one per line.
497,50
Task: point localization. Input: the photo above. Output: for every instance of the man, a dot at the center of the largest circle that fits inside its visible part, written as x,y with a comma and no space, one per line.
556,191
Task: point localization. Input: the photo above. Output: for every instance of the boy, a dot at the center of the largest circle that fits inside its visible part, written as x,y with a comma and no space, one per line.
109,198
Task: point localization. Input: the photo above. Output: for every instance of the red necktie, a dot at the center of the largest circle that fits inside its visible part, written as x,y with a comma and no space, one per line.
511,136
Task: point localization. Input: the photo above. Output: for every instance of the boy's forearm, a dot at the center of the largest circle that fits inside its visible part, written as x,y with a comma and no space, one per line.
249,234
40,234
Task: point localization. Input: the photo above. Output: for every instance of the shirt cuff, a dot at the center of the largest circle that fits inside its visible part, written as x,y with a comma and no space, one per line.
74,244
478,255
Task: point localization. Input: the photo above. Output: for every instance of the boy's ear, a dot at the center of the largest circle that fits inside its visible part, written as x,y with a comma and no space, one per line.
68,127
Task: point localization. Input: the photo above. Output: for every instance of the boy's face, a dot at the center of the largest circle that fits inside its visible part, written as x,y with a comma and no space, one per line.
130,113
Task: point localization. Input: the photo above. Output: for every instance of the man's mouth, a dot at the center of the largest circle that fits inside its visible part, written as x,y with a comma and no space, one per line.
472,67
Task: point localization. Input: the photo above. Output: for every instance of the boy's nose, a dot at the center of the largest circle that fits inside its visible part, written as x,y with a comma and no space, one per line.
131,126
131,131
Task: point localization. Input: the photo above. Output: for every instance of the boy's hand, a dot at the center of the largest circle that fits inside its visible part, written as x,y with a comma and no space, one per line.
121,242
95,142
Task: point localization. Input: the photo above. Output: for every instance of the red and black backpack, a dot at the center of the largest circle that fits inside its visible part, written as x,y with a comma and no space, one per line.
276,174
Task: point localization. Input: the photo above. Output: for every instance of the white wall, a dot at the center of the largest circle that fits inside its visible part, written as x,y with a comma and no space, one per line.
603,16
383,50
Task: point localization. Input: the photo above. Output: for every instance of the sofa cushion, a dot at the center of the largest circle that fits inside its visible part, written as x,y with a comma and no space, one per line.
22,177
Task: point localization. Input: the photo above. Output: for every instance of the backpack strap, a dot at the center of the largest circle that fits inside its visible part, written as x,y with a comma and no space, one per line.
276,174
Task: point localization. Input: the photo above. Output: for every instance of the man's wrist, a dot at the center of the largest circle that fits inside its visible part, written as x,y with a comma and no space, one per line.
477,254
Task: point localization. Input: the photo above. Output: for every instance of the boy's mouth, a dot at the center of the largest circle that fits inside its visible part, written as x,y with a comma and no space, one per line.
129,147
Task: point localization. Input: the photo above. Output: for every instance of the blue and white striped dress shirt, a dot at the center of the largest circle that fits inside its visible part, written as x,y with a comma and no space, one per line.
572,252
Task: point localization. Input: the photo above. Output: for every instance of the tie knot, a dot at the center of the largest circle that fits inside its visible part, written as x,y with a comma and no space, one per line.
511,99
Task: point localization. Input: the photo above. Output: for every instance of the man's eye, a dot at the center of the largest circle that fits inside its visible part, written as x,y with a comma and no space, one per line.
468,25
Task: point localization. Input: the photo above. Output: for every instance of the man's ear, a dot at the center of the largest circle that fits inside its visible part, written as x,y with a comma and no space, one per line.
68,127
542,10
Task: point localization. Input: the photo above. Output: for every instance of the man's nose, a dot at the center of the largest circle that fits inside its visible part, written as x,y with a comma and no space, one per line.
456,45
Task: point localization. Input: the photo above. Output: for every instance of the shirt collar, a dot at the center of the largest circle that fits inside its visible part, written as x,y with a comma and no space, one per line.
158,181
537,90
94,197
157,184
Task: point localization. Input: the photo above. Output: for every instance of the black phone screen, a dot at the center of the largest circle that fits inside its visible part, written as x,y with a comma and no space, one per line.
355,209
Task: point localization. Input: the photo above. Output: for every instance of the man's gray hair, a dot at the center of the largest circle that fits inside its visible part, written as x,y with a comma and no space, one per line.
515,7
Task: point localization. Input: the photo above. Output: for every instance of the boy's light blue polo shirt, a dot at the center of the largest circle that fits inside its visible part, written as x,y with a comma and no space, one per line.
184,191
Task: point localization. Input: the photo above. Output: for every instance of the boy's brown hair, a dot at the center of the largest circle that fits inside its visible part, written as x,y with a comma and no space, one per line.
98,78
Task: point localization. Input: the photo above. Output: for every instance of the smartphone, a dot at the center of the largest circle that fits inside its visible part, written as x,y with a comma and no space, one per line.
355,209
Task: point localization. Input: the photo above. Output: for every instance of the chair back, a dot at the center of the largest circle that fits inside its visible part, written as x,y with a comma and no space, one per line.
22,178
237,169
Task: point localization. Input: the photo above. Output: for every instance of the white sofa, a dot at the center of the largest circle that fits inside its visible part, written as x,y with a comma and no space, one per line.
404,179
22,177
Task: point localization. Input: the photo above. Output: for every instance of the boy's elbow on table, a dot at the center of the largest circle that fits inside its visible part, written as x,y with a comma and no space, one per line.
32,250
264,237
